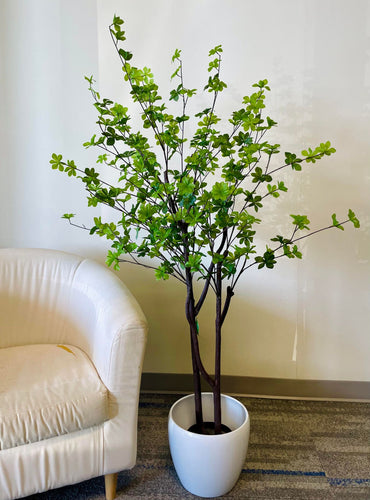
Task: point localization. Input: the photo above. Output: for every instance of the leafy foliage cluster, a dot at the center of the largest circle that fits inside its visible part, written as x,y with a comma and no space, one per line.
170,208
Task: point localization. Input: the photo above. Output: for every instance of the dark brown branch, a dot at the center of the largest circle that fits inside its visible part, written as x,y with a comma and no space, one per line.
190,316
209,274
205,290
229,295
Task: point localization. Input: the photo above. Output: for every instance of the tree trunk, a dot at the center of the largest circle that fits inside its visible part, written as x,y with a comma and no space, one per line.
198,368
196,383
218,326
190,315
217,386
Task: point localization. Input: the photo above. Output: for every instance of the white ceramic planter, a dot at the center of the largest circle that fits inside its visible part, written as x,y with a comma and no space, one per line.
208,466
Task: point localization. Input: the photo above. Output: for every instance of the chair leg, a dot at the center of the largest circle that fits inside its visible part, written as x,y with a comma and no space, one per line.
110,486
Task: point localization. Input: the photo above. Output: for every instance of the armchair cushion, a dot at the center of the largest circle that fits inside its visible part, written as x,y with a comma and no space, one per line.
47,390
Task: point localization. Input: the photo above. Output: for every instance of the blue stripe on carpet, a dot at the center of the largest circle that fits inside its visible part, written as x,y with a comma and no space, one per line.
285,472
347,482
331,480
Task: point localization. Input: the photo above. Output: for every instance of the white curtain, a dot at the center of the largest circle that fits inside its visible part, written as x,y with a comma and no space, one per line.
46,49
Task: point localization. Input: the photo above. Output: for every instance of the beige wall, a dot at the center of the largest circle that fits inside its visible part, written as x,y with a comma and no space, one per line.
305,319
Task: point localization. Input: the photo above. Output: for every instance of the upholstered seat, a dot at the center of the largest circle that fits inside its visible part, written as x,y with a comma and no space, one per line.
47,390
71,349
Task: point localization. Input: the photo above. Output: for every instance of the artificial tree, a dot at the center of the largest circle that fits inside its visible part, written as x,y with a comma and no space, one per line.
193,206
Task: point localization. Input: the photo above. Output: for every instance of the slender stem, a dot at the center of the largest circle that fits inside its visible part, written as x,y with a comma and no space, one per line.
153,124
136,262
184,102
291,241
317,156
319,230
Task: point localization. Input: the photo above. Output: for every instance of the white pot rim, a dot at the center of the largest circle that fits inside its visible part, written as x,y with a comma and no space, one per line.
216,436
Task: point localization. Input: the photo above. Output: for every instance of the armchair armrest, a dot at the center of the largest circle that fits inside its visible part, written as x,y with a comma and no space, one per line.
114,328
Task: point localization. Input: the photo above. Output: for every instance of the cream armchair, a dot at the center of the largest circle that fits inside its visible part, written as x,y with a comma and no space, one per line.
72,342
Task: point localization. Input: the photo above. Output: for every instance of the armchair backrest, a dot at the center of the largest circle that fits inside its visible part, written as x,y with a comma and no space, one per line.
47,296
35,293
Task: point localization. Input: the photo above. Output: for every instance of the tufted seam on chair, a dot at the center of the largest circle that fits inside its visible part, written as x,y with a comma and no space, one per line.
66,430
53,405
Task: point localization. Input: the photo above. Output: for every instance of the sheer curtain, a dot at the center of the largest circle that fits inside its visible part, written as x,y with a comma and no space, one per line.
46,49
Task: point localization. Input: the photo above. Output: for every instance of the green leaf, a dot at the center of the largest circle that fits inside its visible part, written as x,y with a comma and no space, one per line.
112,259
301,221
273,190
176,55
176,72
280,239
186,186
102,158
68,216
288,252
282,187
220,191
182,118
259,176
174,95
117,21
215,50
120,35
352,217
229,269
204,112
91,142
125,55
291,159
194,262
270,122
326,148
262,84
267,259
56,162
161,273
296,252
336,223
213,65
215,84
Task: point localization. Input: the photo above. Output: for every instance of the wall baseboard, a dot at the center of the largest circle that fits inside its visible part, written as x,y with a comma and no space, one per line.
263,387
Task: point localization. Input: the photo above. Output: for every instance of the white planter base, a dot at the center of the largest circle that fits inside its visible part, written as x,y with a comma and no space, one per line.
208,466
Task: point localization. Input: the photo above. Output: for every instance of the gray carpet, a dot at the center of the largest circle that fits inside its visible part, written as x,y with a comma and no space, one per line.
298,450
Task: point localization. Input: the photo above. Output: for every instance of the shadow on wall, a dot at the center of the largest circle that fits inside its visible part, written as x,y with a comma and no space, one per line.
163,303
257,340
